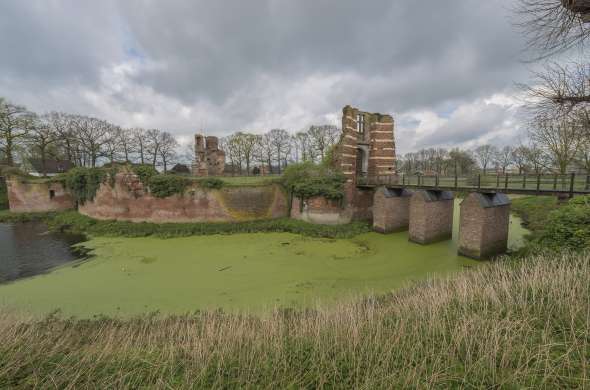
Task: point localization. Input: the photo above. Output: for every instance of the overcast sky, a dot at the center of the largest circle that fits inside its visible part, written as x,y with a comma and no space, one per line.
444,69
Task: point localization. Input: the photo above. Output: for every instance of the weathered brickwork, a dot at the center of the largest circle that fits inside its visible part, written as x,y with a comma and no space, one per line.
431,216
128,201
391,210
320,210
367,145
484,223
366,148
209,159
37,197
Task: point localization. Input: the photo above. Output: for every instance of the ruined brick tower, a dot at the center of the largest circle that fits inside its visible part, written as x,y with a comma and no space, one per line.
367,146
209,159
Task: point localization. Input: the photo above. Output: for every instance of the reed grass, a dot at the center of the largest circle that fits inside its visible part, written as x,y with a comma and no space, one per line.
512,324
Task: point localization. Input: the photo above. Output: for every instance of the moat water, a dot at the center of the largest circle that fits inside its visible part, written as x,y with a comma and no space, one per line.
28,249
246,272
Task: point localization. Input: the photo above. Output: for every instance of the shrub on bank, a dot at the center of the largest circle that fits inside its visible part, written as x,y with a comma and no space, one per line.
162,186
75,222
568,226
507,325
306,180
83,183
144,172
78,223
213,183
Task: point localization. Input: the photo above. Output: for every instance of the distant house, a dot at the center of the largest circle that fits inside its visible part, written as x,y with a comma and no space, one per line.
180,168
52,167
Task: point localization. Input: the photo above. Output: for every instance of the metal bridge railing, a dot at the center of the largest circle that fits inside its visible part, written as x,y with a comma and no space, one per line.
526,183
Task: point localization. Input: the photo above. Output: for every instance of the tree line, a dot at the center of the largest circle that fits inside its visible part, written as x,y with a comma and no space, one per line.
82,140
536,158
247,152
89,142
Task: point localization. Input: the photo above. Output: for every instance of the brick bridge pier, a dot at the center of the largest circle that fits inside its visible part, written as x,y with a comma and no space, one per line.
424,204
428,215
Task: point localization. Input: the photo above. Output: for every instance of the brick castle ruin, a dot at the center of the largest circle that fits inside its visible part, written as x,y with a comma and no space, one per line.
367,146
366,149
209,159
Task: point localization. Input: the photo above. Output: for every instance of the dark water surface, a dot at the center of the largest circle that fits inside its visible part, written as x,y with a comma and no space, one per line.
27,249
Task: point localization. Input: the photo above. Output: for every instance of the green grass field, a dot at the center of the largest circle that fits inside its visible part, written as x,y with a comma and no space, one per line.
249,180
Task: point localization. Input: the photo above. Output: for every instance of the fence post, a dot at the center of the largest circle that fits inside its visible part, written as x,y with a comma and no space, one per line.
506,182
587,183
456,181
538,183
572,179
478,181
403,179
555,182
497,180
418,176
436,180
524,181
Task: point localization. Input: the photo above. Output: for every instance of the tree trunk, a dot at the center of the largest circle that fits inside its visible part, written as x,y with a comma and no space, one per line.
8,150
43,159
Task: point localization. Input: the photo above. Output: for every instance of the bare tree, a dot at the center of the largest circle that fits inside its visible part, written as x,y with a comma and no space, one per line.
92,136
232,148
537,158
167,149
15,124
505,157
561,139
152,147
266,150
113,149
559,91
41,137
486,155
322,137
519,158
64,129
127,142
281,143
552,26
304,145
246,144
141,140
583,157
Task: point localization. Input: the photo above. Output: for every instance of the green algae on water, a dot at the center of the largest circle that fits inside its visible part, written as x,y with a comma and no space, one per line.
246,272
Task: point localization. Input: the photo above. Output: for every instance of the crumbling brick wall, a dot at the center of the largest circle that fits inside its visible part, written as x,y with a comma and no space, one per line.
26,196
209,159
366,148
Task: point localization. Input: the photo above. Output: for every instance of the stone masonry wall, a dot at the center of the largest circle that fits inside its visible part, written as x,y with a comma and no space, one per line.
24,197
319,210
128,201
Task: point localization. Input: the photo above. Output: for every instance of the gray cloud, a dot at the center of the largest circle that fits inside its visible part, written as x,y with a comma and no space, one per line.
232,65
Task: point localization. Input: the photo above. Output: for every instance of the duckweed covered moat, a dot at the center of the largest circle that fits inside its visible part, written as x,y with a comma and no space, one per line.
252,272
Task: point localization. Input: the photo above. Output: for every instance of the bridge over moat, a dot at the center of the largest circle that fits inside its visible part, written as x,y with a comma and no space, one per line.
424,206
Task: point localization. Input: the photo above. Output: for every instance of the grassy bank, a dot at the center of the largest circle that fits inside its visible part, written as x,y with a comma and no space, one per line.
553,226
534,210
505,325
77,223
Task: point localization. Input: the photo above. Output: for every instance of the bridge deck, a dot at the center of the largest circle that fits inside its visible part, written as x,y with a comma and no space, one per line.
570,185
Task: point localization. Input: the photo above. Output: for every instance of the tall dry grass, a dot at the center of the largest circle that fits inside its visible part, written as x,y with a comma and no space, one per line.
508,325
